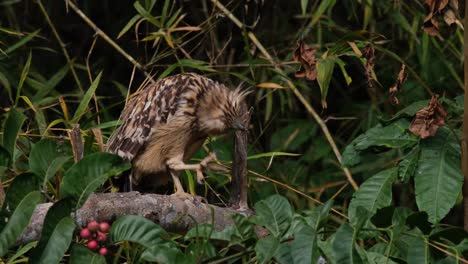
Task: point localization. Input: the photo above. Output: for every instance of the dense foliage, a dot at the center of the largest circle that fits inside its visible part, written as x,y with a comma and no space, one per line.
339,168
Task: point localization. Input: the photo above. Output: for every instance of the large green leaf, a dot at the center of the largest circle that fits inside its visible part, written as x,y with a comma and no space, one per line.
283,254
407,167
394,135
318,216
79,254
21,186
13,125
86,99
59,241
266,248
136,229
46,158
344,248
376,258
304,248
275,214
18,221
166,254
438,180
88,174
324,75
59,211
374,193
411,110
418,252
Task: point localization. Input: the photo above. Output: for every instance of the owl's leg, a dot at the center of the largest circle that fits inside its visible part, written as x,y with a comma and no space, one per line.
178,186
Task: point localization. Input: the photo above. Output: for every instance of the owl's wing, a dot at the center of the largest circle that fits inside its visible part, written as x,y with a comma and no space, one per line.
142,114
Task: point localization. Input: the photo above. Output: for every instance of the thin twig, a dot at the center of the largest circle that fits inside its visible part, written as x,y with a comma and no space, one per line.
62,45
298,94
109,40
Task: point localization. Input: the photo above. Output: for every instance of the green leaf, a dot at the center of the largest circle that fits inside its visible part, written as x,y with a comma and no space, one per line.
304,248
201,250
13,125
377,258
283,254
418,252
51,83
23,76
46,158
59,241
166,254
80,254
407,167
304,4
324,74
6,84
147,15
195,64
275,214
374,193
344,248
21,186
60,210
18,221
439,179
127,27
266,248
20,252
318,215
19,44
136,229
88,174
411,110
394,135
342,65
324,5
87,98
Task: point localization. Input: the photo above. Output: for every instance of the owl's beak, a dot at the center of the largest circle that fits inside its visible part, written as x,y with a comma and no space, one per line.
238,125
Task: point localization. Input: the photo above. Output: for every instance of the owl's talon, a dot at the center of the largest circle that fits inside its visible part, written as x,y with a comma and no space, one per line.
183,195
200,177
207,159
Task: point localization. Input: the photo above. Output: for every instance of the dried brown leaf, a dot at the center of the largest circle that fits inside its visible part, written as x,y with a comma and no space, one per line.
398,85
428,119
306,56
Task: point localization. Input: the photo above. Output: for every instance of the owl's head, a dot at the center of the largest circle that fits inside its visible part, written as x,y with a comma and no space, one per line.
227,110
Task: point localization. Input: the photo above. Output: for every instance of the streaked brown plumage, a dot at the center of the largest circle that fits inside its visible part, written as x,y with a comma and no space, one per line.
167,122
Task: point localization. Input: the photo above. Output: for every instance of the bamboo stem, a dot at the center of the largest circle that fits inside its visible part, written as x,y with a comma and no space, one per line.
291,85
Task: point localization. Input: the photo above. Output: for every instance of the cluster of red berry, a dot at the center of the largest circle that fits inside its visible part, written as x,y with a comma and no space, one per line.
96,233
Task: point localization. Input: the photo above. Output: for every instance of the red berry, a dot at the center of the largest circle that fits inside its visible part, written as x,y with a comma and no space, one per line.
103,251
101,237
93,226
93,245
104,227
85,233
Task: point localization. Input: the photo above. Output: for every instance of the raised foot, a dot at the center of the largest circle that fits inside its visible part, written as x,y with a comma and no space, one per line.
204,164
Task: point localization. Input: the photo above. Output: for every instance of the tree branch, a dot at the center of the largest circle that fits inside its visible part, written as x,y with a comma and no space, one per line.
172,213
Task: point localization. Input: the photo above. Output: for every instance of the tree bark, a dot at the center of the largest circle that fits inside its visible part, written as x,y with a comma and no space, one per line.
171,213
